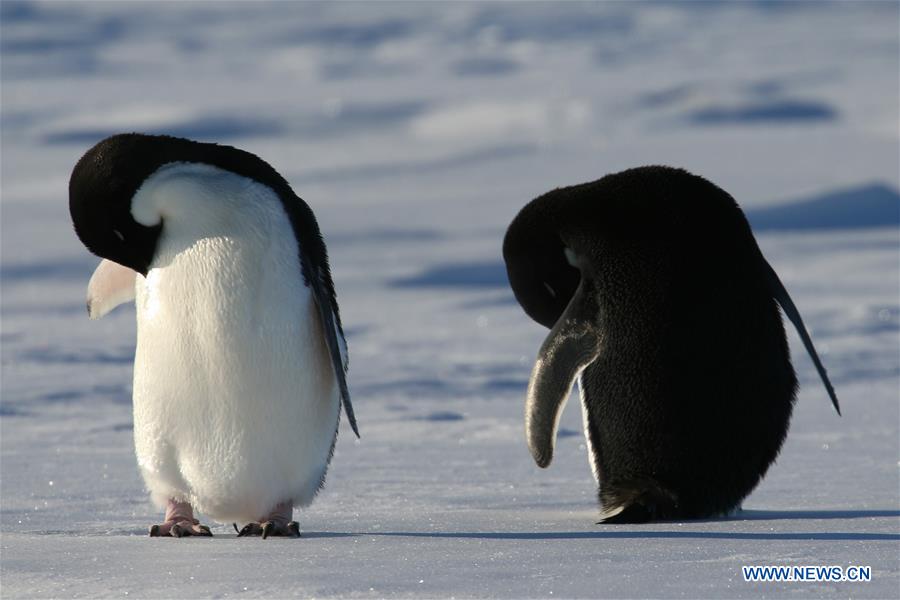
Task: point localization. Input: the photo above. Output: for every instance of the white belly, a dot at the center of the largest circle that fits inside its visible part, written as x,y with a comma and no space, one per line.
235,401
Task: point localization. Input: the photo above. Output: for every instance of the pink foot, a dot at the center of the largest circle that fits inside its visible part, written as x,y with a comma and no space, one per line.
278,523
180,522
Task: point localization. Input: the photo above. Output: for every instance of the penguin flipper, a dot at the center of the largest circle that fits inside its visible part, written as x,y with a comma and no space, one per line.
571,345
336,347
790,310
110,285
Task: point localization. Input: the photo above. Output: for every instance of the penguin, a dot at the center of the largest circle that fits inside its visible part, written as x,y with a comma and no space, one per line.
240,363
662,307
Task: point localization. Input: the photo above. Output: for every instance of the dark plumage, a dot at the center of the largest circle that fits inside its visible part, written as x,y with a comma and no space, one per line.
672,315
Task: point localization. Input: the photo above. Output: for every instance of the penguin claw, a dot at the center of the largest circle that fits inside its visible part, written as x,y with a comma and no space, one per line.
277,524
269,528
293,529
274,528
249,529
180,529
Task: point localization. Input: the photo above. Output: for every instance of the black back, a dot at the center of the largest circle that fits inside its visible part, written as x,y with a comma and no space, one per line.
690,397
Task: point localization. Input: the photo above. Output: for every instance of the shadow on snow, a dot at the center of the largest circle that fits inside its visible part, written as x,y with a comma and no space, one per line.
873,205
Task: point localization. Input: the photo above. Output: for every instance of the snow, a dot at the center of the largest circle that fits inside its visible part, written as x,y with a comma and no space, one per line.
416,131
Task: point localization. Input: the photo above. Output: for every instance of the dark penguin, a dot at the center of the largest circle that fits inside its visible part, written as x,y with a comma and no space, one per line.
659,298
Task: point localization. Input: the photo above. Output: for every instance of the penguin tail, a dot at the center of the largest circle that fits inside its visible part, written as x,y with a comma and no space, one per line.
636,501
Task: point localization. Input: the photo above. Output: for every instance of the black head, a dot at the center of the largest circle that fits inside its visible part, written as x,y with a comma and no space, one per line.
541,278
100,191
107,177
634,229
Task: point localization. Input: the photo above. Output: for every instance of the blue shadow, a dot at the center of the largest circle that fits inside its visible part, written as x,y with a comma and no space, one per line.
755,113
458,275
359,35
388,234
874,205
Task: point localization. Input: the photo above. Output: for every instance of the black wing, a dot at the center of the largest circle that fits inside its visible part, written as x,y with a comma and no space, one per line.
317,275
787,305
331,330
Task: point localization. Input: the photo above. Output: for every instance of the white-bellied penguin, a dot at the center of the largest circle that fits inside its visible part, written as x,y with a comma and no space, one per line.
240,364
662,306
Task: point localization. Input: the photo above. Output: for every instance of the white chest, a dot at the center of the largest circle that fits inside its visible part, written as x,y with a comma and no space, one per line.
235,402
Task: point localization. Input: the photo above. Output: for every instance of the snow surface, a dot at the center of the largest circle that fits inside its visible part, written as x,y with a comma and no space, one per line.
416,131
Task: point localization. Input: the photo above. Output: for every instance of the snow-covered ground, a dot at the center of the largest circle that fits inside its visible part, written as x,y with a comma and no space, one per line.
416,131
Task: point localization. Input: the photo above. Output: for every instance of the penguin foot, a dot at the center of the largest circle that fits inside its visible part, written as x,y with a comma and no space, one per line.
267,528
180,522
278,524
180,529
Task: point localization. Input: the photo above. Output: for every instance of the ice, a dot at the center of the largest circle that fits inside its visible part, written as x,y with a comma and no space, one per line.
416,132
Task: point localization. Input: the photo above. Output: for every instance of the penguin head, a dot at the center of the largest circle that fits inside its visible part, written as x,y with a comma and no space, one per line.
101,189
106,180
542,280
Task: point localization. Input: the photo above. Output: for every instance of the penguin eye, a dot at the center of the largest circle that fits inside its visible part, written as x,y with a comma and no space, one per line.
119,235
550,289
